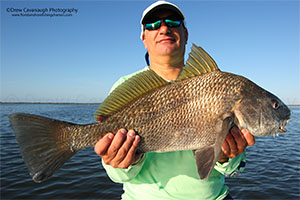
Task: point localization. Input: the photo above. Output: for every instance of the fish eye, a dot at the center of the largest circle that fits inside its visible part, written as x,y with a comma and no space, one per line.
275,104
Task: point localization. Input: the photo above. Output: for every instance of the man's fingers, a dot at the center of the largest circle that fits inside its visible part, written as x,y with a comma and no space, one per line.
225,148
124,149
236,142
103,144
233,150
240,141
117,142
118,150
131,156
250,139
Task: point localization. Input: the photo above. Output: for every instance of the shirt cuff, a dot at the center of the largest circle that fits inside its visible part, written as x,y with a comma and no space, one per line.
233,167
119,175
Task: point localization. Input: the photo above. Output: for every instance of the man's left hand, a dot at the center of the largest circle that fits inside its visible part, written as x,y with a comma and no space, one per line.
235,143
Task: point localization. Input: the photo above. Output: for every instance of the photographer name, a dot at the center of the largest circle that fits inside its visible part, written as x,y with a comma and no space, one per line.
42,10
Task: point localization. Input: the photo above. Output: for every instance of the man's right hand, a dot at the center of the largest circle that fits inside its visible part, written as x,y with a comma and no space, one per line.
119,150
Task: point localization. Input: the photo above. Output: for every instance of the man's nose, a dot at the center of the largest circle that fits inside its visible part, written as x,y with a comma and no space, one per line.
163,27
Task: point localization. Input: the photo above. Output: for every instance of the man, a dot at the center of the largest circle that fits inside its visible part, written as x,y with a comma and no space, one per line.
170,175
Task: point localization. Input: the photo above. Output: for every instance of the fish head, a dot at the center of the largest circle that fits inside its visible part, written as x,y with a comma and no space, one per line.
262,114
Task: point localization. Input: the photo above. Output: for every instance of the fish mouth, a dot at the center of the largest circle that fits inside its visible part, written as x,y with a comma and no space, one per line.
282,128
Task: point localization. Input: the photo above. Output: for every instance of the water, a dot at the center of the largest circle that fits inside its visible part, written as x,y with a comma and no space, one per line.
272,171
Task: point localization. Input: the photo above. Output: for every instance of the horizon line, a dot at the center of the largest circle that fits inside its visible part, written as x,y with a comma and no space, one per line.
25,102
91,103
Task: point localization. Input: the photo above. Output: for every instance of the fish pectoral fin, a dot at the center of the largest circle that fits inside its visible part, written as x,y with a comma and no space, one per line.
205,161
207,157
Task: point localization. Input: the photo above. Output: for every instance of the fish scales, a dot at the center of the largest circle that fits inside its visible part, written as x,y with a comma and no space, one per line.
179,113
195,112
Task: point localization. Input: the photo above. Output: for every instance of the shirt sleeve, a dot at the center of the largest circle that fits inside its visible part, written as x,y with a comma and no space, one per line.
124,78
119,175
233,167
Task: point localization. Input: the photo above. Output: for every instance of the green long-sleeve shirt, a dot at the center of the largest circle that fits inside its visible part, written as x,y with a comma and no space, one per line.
172,175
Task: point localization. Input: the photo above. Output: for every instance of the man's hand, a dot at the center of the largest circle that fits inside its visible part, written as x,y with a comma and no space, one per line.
119,150
235,143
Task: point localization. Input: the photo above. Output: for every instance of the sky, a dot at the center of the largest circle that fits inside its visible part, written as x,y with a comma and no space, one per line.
78,57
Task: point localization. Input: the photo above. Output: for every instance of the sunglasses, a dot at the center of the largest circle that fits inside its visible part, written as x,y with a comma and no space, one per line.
156,25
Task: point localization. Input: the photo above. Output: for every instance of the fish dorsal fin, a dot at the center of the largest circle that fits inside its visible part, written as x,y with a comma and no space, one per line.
199,62
132,89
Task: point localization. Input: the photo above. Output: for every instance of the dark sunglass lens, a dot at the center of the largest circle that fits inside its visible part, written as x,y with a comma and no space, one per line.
172,23
153,26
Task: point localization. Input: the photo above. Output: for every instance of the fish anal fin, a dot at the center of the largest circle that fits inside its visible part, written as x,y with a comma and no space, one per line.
207,157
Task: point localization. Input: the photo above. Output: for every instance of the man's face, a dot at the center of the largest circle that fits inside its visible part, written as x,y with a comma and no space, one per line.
165,40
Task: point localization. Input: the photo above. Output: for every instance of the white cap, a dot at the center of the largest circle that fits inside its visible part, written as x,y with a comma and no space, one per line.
160,5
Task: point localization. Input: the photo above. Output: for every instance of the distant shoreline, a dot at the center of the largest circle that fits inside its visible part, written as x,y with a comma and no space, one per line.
48,103
66,103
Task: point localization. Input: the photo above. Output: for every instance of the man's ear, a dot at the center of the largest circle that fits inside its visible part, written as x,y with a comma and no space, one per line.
144,41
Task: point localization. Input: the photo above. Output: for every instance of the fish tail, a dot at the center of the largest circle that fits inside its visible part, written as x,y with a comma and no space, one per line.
43,142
